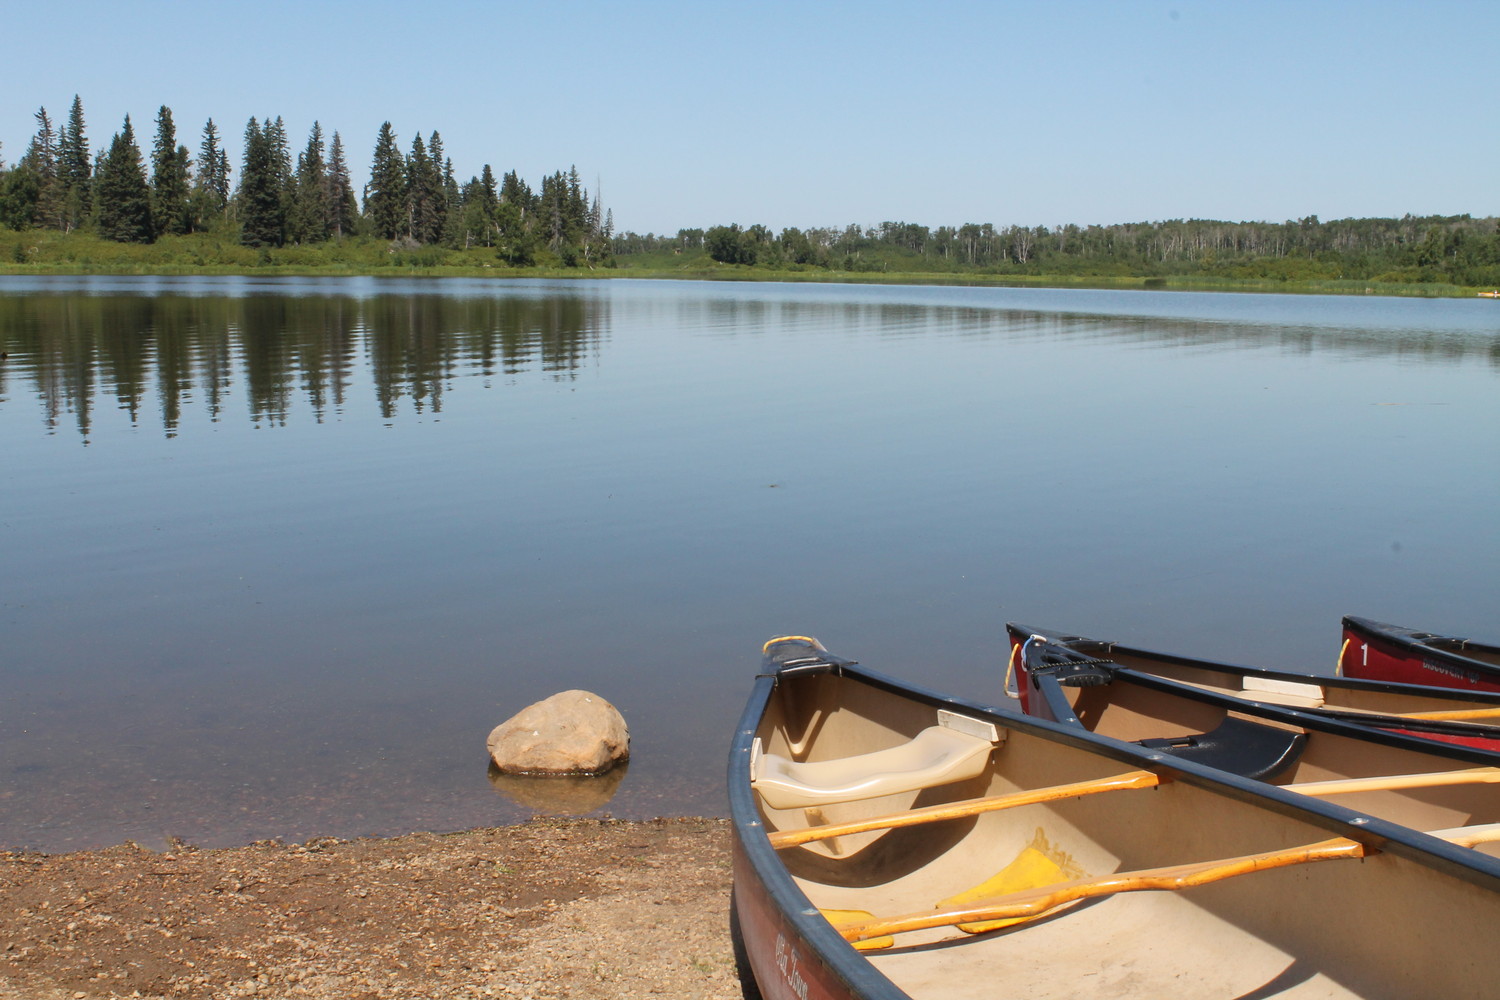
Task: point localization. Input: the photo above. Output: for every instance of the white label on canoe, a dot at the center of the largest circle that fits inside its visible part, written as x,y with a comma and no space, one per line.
969,726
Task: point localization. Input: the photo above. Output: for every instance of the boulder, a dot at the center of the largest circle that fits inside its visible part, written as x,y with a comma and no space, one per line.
574,732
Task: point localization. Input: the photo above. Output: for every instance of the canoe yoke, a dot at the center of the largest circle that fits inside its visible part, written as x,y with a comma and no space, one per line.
955,749
1239,746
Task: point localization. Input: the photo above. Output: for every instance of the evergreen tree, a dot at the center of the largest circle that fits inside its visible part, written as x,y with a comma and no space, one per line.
514,191
41,159
342,209
385,196
211,186
515,222
75,169
440,179
170,162
281,159
122,197
259,200
311,214
563,212
424,195
453,206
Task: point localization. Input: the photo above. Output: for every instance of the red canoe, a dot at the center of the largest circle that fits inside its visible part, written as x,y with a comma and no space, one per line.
1382,652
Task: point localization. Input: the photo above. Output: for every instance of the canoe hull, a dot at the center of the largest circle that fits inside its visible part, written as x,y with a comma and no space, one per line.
1377,651
784,964
1456,717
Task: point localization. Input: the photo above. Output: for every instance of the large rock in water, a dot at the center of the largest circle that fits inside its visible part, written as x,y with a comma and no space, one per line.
574,732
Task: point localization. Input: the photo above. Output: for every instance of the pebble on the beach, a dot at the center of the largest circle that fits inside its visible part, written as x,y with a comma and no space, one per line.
575,732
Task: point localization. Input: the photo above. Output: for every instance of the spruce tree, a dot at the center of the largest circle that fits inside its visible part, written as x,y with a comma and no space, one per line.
311,211
41,160
281,159
122,196
424,195
75,169
259,200
453,206
211,185
385,197
169,178
343,210
445,189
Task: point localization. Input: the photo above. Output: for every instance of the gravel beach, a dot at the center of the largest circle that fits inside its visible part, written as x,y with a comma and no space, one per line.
549,908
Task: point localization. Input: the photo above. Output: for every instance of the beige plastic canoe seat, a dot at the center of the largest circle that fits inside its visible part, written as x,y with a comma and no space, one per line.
1293,694
956,749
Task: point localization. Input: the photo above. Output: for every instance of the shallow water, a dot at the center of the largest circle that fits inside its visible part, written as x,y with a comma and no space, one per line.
276,554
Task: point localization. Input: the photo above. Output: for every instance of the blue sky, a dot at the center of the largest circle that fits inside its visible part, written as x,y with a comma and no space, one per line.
825,114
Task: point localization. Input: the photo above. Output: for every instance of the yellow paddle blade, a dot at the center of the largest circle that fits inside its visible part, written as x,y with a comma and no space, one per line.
836,917
1030,870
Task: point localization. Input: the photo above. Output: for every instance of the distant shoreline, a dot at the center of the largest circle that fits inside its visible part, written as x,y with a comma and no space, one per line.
732,273
48,252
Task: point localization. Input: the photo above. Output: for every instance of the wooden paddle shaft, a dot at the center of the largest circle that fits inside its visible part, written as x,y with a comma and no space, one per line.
1396,782
1119,782
968,807
1034,902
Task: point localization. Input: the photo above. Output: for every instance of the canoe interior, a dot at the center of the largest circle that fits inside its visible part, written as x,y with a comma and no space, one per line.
1474,709
1383,926
1333,692
1126,710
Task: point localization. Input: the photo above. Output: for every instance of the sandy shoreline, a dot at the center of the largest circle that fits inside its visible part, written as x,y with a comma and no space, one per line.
545,909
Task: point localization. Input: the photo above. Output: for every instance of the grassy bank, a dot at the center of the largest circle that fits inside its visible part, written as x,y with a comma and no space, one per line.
50,252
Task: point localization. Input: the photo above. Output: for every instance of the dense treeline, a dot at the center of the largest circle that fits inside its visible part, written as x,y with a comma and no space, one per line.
413,199
1457,249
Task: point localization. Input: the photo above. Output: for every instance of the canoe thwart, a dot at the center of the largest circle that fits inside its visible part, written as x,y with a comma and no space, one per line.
951,751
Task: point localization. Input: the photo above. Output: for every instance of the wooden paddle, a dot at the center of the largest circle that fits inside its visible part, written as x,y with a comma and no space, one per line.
1119,782
1034,902
969,807
1456,715
1396,782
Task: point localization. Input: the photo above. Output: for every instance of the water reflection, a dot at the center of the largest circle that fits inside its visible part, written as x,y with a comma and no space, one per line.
73,346
559,794
74,351
1434,338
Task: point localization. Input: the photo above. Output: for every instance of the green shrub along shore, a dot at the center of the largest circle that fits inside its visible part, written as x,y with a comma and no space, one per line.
36,252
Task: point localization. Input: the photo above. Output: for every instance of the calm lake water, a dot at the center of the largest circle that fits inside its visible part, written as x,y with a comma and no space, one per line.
276,554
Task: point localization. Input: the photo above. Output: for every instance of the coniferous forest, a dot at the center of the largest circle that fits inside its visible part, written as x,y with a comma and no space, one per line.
275,208
412,199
